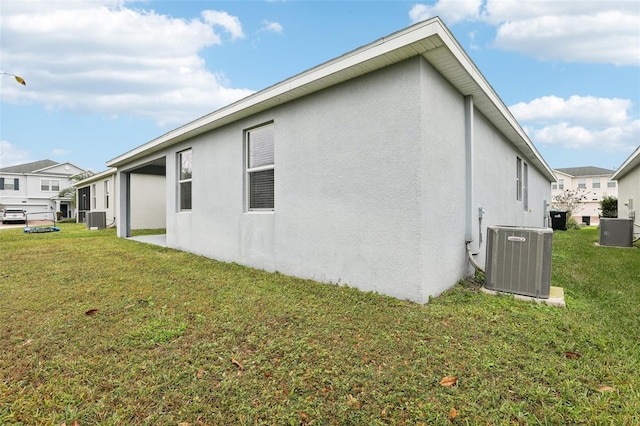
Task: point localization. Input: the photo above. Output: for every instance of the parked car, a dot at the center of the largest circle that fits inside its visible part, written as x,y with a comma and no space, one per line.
14,215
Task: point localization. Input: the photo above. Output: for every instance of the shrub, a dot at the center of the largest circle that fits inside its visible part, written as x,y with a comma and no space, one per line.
609,206
572,223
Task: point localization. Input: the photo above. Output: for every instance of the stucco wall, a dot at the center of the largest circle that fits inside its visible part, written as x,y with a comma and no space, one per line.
495,185
629,188
148,201
369,184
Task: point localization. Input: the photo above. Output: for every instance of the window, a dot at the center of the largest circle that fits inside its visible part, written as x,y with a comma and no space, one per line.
525,186
106,194
184,180
518,179
595,182
611,184
94,197
260,167
9,184
49,185
554,186
582,183
560,183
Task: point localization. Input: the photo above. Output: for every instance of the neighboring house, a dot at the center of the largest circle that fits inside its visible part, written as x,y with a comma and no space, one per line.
148,204
35,187
628,177
589,184
373,169
96,193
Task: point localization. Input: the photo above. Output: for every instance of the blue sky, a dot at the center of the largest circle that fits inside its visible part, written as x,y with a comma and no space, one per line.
105,76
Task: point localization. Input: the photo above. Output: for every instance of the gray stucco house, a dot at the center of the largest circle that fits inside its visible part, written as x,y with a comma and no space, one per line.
373,169
628,177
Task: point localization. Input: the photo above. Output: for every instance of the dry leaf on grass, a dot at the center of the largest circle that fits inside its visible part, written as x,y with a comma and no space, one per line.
237,363
453,413
605,388
572,355
449,381
27,342
91,312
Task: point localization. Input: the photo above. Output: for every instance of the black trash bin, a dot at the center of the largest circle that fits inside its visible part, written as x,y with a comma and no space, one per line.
558,220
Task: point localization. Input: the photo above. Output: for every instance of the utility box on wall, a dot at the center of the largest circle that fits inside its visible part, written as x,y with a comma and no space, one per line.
519,260
617,232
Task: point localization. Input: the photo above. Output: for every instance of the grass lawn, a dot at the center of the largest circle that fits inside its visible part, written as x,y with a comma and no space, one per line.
101,330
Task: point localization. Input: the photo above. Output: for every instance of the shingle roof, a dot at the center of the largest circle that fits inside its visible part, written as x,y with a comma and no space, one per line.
28,167
585,171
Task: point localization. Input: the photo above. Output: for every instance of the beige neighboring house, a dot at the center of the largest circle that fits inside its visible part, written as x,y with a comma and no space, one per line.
628,178
98,194
591,184
35,187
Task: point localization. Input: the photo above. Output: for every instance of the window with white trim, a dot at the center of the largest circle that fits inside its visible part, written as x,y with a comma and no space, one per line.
184,180
260,168
49,185
10,184
518,179
560,183
525,186
611,184
595,182
106,194
94,197
582,183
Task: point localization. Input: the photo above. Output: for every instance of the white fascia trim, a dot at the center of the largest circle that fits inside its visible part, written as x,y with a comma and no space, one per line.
628,165
208,122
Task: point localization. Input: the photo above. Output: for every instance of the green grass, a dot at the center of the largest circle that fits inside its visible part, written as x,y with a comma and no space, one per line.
179,338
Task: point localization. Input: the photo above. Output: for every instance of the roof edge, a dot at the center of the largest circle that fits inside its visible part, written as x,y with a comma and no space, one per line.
632,161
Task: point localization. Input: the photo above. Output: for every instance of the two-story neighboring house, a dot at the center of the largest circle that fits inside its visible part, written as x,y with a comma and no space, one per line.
35,187
590,184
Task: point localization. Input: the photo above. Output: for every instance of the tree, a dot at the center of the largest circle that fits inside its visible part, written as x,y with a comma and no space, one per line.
70,192
568,201
609,206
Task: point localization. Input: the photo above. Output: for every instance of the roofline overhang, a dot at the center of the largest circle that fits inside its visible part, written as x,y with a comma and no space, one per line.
94,178
430,39
628,165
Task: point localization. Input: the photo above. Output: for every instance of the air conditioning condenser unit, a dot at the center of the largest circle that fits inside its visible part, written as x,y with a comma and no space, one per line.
519,260
96,220
616,232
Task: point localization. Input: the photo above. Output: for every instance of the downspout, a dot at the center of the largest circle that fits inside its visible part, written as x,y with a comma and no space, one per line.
469,190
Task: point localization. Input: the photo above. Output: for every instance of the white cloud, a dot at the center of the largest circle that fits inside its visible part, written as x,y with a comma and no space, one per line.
451,11
100,56
231,24
566,31
580,122
603,37
587,110
273,27
10,155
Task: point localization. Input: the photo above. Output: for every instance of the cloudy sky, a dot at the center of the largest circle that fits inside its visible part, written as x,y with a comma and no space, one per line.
105,76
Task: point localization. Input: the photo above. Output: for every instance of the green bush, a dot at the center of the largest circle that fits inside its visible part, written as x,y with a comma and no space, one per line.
609,206
572,223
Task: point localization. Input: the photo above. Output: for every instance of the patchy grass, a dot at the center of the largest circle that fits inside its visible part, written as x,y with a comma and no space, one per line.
102,330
